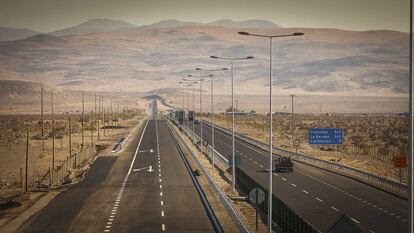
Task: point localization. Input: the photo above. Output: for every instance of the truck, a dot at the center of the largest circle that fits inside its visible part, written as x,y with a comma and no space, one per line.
191,116
283,164
180,117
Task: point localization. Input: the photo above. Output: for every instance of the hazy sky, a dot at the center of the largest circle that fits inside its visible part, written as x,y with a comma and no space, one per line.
49,15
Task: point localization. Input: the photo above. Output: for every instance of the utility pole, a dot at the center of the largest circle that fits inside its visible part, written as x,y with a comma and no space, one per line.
70,139
95,113
320,113
292,122
91,129
236,108
110,115
21,182
53,144
83,118
95,107
123,113
42,119
27,161
103,114
104,121
116,115
98,116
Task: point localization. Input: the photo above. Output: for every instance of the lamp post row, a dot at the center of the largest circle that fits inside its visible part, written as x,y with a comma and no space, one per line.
271,37
233,159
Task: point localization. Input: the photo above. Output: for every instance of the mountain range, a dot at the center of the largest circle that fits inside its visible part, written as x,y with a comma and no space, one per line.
10,34
104,54
106,25
93,26
219,23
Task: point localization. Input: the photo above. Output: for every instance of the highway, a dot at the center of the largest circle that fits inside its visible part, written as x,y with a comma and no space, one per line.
317,195
146,188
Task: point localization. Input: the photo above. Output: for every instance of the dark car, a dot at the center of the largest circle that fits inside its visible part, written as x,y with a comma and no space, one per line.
284,164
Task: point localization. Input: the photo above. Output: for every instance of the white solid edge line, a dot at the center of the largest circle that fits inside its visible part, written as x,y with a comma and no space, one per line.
139,144
332,207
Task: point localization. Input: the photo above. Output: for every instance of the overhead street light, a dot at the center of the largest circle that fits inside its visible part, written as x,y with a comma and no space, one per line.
411,130
231,59
187,84
212,110
272,36
200,80
224,68
183,94
270,113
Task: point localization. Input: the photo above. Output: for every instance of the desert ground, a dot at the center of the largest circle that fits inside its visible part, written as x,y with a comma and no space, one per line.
305,104
13,144
370,141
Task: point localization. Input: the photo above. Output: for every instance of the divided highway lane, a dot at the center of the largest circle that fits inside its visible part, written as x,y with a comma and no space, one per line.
122,194
159,199
318,195
81,208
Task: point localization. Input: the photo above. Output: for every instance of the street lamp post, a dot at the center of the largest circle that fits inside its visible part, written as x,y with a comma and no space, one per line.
192,83
188,83
200,80
270,113
193,114
188,106
183,93
411,129
231,59
292,122
212,111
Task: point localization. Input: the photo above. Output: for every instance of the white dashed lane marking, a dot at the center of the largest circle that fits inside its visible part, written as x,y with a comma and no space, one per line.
334,208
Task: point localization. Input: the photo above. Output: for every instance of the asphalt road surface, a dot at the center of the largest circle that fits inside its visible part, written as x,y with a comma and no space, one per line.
317,195
146,188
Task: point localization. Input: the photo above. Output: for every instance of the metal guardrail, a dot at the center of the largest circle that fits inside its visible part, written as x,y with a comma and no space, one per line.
206,204
220,160
376,181
222,197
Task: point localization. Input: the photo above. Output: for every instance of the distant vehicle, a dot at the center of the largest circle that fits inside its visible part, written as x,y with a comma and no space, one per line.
283,164
196,122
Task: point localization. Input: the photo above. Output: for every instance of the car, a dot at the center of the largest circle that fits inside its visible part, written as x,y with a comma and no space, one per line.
283,164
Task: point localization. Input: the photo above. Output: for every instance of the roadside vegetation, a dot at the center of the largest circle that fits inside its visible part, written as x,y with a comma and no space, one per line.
13,133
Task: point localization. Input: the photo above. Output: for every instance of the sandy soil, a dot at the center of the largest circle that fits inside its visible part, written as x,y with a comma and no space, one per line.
306,103
13,147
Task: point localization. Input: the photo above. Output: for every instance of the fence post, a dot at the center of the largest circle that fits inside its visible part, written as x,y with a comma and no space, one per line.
21,181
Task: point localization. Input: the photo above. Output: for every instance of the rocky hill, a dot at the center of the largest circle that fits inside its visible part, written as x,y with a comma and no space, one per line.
141,59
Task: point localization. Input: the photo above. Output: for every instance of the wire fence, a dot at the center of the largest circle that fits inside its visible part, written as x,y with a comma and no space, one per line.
61,174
